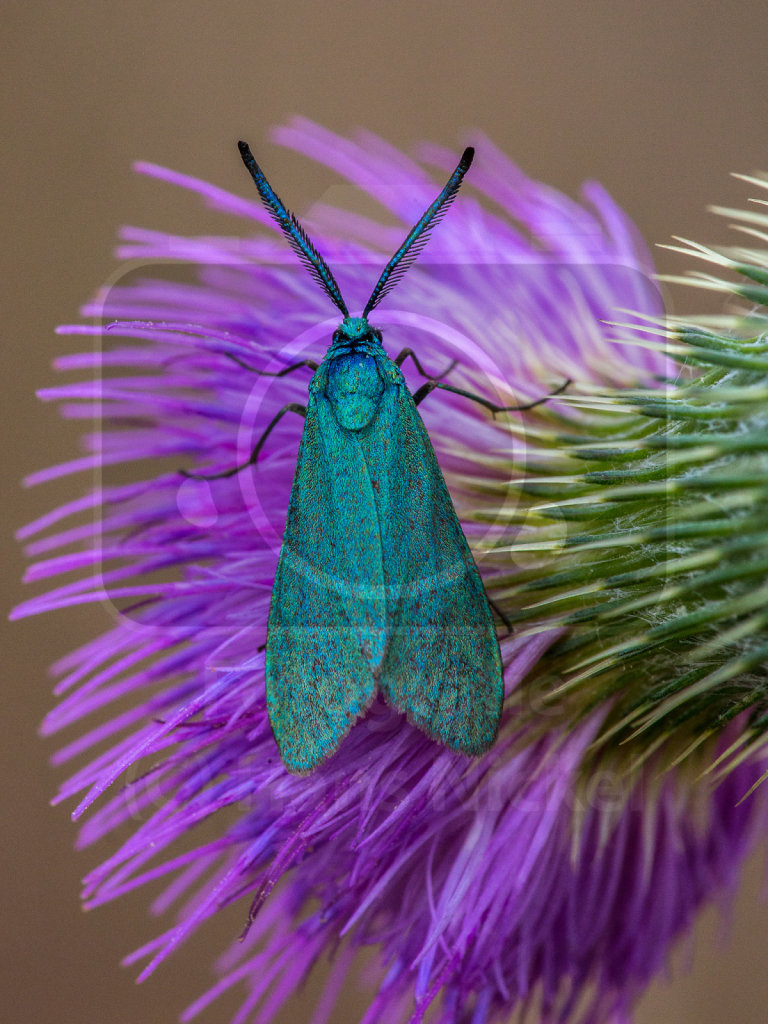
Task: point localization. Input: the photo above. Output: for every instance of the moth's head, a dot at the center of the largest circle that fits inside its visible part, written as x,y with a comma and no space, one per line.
356,331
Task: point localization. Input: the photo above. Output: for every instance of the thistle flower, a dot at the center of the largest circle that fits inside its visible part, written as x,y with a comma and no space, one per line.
556,870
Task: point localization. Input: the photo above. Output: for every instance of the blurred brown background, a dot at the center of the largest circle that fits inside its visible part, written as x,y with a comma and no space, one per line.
659,101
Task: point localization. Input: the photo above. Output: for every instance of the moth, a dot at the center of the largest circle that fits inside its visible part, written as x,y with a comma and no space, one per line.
376,590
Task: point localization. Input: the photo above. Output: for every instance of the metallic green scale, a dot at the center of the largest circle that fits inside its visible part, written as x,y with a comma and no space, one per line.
376,588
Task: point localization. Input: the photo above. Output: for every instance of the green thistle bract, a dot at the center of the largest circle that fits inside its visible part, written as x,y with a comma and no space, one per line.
644,537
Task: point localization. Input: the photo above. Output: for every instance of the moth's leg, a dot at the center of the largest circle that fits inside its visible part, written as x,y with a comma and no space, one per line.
301,410
500,614
264,373
402,356
252,369
430,386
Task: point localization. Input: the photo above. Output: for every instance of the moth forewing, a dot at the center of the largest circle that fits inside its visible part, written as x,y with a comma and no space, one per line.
442,665
327,608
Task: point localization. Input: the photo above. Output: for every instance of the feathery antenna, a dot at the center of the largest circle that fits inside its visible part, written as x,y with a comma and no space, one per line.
419,234
297,237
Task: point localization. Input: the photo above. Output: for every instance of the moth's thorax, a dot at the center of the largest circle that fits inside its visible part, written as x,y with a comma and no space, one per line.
349,375
354,388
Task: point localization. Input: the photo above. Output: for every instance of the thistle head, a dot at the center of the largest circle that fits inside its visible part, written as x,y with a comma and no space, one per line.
629,560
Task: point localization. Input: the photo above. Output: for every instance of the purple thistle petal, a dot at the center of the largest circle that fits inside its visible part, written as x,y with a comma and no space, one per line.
486,885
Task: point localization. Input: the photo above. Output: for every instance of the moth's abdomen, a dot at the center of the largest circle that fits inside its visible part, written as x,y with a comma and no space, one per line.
354,390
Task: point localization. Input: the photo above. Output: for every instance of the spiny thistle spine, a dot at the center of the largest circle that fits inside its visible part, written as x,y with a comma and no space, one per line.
652,504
